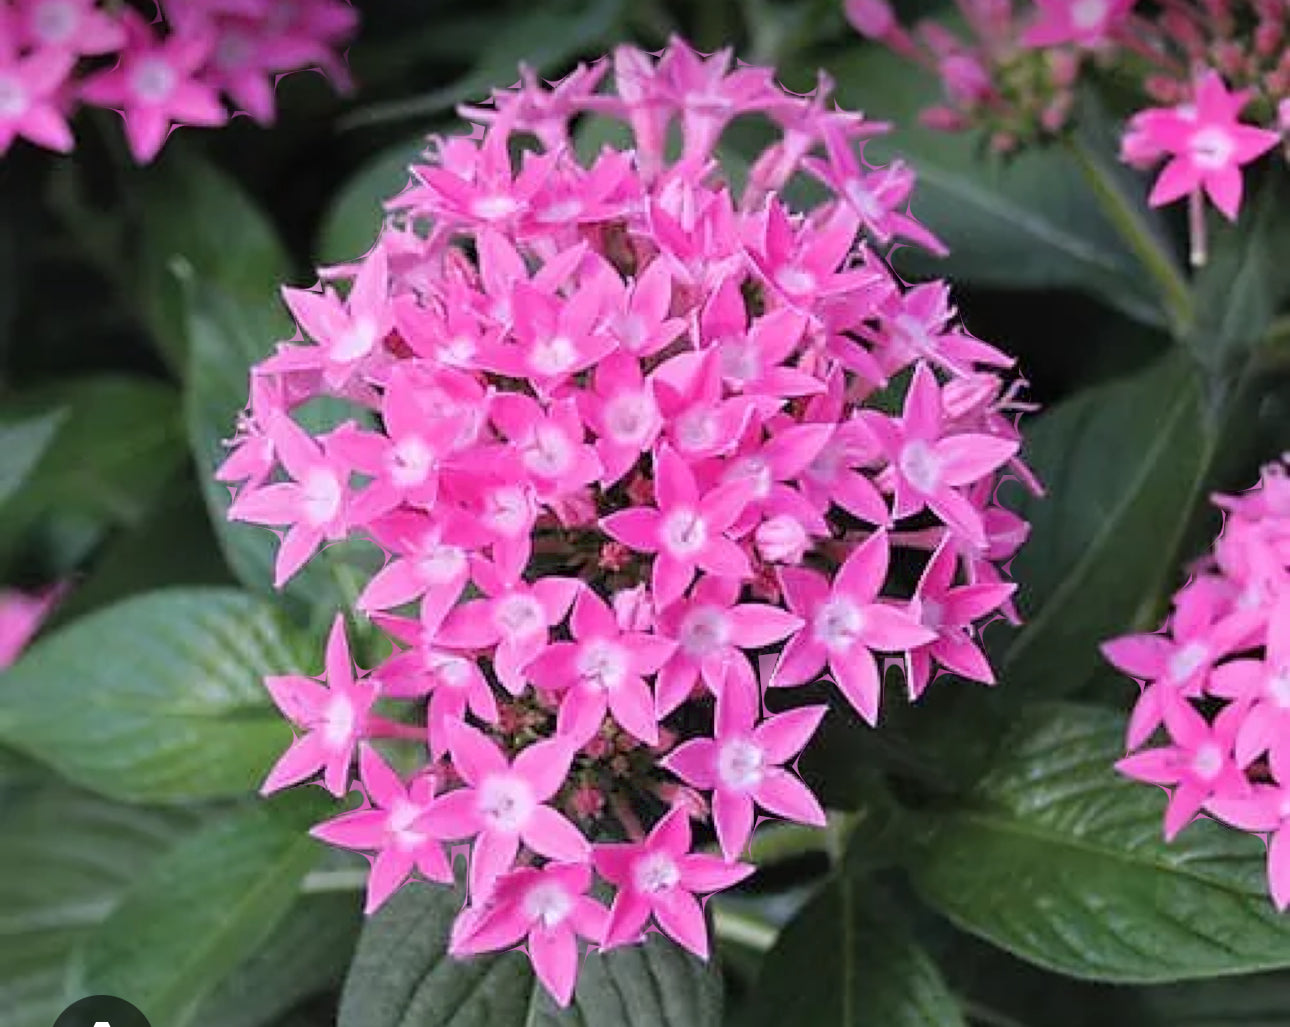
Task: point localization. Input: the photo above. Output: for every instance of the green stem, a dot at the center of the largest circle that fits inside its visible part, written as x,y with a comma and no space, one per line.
319,882
1129,222
742,928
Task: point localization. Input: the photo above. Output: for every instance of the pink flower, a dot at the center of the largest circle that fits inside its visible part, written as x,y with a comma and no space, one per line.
1261,689
1209,145
844,625
930,466
333,719
712,629
687,529
30,104
741,766
503,804
154,87
21,615
74,27
602,670
548,907
1198,763
393,827
951,612
660,877
1086,23
313,503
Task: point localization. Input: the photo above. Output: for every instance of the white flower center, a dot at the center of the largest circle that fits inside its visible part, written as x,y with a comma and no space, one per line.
548,904
548,453
450,671
320,499
684,532
656,872
14,99
505,802
519,616
740,361
696,429
1088,15
410,461
911,335
493,208
459,351
795,281
403,814
508,510
629,419
1207,761
561,210
338,722
355,343
153,80
440,563
54,22
920,466
755,470
553,356
741,764
1186,661
1212,148
602,665
838,624
704,630
864,201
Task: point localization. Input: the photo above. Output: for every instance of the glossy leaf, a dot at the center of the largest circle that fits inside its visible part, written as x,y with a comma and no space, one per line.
155,699
65,860
861,962
1058,859
1124,464
402,976
22,444
204,907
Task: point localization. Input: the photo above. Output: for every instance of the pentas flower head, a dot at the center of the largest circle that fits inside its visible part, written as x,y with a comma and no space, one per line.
616,426
1216,680
169,71
1086,23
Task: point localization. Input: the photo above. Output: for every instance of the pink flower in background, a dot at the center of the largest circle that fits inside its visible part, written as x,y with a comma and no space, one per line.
1086,23
1209,145
610,423
21,615
168,72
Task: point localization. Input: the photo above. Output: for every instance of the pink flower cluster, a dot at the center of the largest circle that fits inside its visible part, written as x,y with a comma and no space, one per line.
1216,679
625,432
1199,66
56,54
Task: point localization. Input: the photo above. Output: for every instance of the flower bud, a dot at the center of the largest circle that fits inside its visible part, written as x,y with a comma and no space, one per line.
782,539
873,19
633,609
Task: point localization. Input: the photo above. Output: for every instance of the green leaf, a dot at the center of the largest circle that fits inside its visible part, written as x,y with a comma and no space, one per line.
22,444
402,976
156,699
113,443
848,959
1031,221
308,953
545,38
1056,858
1124,464
354,220
1245,281
66,858
205,906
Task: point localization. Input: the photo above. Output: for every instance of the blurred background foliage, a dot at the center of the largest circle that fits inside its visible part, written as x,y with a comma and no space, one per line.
134,858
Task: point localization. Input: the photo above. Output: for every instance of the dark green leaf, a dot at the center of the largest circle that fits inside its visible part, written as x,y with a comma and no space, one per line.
205,906
22,444
1058,859
65,860
403,977
1029,222
307,954
156,699
1124,464
545,37
116,442
356,215
848,959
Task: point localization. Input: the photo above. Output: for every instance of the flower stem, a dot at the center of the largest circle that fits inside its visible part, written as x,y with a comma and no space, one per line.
742,928
1128,221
